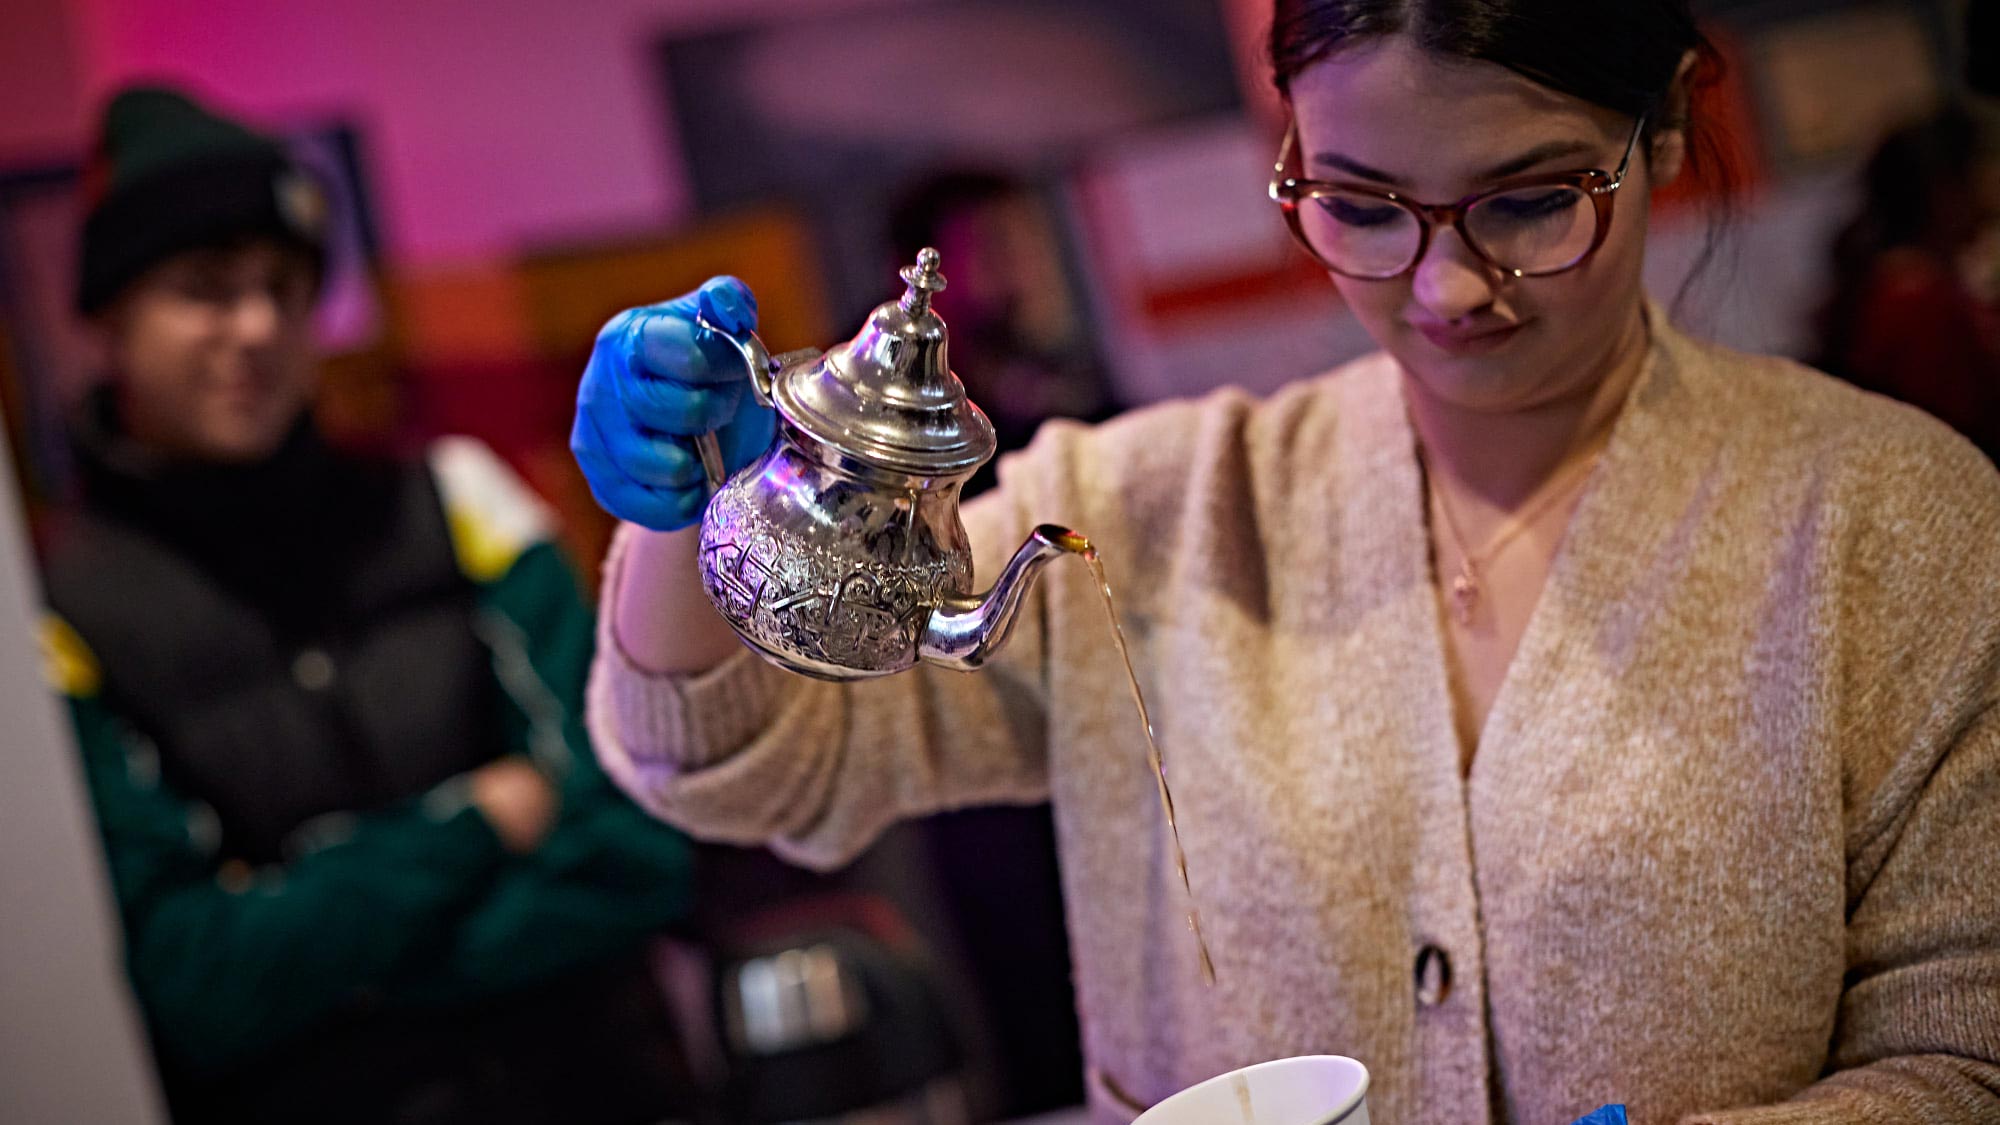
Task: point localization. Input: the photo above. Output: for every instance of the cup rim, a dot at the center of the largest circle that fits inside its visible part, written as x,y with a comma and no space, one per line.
1339,1113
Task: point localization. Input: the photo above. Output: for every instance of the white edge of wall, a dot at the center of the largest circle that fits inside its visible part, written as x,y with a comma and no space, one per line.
70,1045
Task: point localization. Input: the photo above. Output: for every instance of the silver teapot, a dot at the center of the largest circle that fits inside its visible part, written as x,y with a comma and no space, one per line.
839,552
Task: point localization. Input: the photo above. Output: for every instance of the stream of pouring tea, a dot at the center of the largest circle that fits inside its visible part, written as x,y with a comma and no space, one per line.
1082,547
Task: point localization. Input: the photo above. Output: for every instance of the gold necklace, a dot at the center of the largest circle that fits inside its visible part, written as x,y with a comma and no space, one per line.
1465,586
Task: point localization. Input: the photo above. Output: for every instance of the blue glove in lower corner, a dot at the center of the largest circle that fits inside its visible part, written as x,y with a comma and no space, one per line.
655,381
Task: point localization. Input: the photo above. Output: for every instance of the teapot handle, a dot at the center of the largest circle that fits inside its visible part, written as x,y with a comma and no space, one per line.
758,359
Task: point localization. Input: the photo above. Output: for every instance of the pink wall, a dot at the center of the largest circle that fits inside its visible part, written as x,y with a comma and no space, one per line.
41,111
489,123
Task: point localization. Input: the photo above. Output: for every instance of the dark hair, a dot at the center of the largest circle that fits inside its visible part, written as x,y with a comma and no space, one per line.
1619,54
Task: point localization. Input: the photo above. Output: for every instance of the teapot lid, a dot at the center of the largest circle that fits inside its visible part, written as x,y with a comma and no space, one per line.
888,397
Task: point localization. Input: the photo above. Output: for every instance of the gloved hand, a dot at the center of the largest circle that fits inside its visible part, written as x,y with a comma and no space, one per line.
654,382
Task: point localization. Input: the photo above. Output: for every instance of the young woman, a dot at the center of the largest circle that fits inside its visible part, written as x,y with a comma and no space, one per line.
1561,710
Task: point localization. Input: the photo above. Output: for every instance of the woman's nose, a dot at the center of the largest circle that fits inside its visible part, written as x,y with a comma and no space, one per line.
1451,281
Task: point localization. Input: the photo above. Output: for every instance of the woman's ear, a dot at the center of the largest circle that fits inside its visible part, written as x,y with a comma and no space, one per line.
1666,151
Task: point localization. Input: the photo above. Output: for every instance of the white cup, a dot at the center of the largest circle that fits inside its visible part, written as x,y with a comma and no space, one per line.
1307,1090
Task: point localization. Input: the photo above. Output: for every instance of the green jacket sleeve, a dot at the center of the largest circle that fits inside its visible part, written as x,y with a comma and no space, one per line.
228,961
609,874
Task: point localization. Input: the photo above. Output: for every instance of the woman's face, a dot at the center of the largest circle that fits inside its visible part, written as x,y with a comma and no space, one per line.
1388,114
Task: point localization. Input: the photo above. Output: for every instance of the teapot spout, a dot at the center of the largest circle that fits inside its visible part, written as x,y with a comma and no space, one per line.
964,632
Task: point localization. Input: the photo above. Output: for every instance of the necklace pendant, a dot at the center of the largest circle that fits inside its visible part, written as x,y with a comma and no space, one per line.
1464,596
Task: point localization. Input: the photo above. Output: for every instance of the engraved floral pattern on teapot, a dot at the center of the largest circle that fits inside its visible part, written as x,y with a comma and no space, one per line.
839,553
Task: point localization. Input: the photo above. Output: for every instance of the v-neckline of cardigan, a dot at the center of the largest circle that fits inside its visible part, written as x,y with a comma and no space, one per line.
1536,647
1461,695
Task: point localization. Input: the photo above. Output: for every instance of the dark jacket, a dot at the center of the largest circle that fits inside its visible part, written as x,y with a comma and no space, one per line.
279,675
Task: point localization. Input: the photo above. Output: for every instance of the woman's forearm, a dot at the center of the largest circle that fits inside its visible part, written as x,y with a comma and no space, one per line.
660,615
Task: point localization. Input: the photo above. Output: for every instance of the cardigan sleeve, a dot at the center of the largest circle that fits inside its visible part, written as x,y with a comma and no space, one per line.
1917,1033
1918,1036
749,754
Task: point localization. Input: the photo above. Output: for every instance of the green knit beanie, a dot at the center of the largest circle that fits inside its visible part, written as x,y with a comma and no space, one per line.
169,176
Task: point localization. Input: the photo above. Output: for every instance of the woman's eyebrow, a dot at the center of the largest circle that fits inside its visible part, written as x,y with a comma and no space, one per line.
1537,155
1355,168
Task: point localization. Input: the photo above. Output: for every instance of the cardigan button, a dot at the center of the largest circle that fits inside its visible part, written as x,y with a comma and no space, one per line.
1433,976
312,670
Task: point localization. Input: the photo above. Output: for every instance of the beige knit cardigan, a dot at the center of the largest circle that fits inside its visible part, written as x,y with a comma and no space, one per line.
1729,839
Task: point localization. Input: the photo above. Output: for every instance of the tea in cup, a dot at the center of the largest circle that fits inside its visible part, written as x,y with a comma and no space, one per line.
1307,1090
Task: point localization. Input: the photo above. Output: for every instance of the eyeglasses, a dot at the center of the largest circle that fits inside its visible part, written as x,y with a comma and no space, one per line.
1529,226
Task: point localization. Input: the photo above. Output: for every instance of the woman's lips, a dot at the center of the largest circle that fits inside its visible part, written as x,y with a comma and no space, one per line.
1472,339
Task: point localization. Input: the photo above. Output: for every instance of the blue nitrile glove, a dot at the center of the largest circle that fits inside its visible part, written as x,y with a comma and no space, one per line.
1608,1115
654,382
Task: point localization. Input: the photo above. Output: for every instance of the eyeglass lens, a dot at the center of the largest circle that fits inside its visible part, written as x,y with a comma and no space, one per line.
1538,229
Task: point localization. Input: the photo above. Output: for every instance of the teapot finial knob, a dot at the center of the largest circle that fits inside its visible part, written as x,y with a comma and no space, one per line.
924,280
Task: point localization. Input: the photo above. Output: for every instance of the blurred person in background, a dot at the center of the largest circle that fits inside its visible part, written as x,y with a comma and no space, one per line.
330,707
1016,342
1915,308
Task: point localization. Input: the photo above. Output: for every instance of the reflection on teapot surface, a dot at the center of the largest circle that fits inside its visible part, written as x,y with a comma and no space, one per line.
828,575
835,578
839,553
